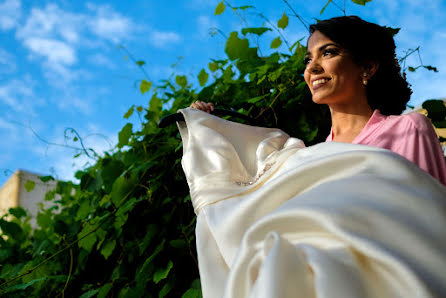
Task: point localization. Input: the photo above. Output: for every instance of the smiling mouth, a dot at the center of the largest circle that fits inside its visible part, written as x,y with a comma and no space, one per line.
319,83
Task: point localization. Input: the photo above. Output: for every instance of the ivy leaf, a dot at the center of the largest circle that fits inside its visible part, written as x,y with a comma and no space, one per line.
84,209
124,135
150,233
75,139
436,110
181,81
108,248
145,86
129,112
258,31
237,48
220,8
46,178
392,31
88,241
29,185
120,190
18,212
161,274
361,2
213,66
44,219
325,6
127,206
203,77
140,62
10,228
155,104
256,99
243,7
103,291
428,67
178,243
276,43
25,285
192,293
412,69
139,109
283,22
89,293
165,290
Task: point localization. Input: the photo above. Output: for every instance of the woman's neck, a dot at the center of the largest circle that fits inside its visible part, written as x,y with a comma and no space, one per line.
348,121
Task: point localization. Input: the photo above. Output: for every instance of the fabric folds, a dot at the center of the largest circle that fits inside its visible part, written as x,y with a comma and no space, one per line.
276,219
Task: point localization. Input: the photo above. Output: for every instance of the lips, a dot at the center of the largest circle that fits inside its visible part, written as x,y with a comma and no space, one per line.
318,83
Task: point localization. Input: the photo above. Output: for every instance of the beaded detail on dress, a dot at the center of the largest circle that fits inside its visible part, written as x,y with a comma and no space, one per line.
251,182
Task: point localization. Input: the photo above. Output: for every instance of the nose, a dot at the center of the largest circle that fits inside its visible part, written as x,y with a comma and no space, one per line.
314,67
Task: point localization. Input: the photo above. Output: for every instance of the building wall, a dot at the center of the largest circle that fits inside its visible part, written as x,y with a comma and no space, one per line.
14,194
9,193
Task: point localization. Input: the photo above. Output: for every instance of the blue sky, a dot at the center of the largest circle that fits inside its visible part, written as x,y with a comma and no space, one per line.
62,64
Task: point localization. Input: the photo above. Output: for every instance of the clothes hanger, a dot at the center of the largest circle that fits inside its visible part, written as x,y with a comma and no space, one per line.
177,117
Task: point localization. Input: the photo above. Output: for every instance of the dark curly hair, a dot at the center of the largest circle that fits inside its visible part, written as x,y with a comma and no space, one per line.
387,90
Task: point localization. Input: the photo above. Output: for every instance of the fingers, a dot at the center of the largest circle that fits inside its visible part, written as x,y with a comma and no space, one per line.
203,106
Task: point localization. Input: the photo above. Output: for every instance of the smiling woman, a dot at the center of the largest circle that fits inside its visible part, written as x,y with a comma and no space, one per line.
351,66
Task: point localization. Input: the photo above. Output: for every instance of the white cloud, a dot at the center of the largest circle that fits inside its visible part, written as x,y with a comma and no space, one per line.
80,105
101,60
52,22
108,24
7,62
14,93
10,13
162,39
54,50
59,35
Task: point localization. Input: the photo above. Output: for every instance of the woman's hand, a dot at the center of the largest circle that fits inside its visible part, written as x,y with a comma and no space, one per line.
203,106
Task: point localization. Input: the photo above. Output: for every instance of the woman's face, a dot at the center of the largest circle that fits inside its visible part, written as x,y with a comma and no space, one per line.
331,74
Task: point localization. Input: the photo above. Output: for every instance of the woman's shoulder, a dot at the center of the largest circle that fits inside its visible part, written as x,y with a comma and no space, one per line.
411,121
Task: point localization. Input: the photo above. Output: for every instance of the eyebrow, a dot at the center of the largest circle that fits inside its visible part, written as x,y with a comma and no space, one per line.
321,48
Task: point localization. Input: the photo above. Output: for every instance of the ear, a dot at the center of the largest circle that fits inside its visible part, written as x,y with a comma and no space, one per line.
370,69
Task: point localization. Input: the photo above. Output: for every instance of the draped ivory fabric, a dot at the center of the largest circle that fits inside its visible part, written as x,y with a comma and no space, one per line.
276,219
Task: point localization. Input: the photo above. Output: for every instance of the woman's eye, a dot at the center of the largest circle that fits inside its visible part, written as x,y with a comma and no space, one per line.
307,60
328,52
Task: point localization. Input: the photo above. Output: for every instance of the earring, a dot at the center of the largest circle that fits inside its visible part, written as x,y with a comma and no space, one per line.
364,80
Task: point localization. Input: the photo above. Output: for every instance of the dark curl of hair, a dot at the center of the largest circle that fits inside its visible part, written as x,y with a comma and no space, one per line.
368,43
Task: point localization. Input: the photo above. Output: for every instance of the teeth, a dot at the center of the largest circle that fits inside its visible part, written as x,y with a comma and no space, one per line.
321,81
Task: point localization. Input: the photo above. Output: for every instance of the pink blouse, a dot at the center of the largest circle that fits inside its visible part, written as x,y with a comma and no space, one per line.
410,135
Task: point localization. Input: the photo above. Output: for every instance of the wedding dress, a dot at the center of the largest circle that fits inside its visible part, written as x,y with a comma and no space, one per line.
276,219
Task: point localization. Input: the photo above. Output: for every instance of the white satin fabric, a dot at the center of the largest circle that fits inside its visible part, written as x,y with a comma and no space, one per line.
276,219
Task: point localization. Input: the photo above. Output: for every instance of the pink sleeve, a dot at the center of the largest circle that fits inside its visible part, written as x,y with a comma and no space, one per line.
419,144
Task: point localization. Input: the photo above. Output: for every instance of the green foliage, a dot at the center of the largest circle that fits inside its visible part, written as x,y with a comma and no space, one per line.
436,111
258,31
220,8
237,48
361,2
203,77
325,6
145,86
392,31
277,42
127,229
29,185
283,22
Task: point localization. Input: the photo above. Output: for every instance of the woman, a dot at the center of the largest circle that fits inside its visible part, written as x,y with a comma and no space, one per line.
278,219
351,67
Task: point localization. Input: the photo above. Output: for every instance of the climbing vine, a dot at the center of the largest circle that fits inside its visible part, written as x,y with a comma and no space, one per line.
127,229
